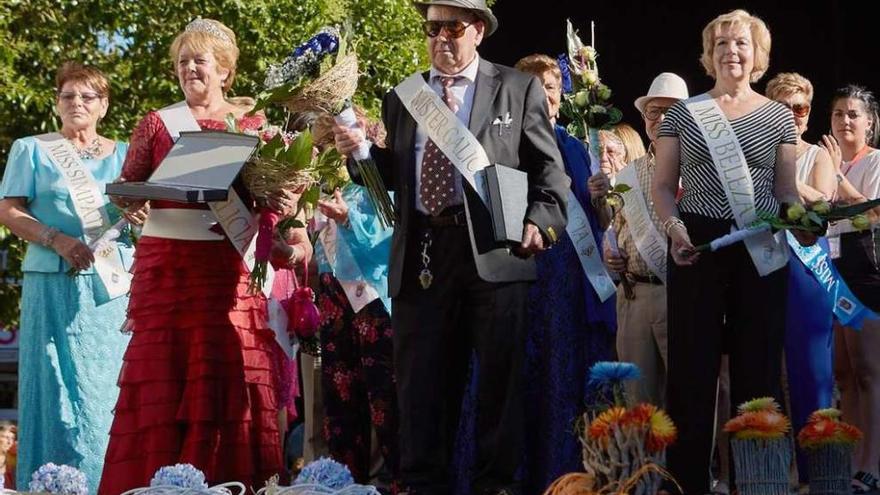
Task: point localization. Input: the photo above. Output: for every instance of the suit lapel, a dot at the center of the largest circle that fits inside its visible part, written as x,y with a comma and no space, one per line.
487,85
408,135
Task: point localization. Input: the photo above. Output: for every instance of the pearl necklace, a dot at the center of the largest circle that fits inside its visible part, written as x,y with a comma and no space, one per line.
90,152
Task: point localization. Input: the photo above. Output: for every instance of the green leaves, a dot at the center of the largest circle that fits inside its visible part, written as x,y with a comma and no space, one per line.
299,153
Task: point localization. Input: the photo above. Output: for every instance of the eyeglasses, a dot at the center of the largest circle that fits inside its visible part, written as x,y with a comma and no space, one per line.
654,113
87,98
455,29
799,110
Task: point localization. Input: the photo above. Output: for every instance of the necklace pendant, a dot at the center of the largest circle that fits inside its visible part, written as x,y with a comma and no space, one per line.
425,278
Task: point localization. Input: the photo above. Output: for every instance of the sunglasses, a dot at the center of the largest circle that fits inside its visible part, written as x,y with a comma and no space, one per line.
455,29
799,110
87,98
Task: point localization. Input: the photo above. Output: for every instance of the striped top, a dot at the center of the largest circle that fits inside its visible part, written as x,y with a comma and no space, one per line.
760,133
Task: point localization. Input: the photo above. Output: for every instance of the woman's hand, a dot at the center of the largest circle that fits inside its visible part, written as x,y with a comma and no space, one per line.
683,251
74,251
284,202
614,262
335,208
598,185
137,214
833,149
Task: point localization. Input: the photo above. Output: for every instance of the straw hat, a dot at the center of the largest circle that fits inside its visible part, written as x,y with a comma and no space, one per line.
666,85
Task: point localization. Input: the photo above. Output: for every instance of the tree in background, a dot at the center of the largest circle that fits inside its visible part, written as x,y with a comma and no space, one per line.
129,40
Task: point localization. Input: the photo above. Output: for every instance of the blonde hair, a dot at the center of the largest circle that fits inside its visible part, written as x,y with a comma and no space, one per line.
224,50
632,141
789,84
538,64
760,40
83,74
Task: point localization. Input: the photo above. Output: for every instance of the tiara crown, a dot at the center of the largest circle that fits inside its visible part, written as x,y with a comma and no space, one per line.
206,26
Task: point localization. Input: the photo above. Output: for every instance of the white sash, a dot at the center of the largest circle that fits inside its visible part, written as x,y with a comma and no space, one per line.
358,291
649,242
768,252
239,224
89,204
581,234
450,135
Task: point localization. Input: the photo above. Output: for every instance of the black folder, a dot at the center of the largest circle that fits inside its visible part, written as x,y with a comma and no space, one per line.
200,167
508,198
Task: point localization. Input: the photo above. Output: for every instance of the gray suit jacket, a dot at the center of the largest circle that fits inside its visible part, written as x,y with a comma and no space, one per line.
529,144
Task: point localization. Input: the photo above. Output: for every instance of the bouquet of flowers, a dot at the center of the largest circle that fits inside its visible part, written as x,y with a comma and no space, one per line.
814,217
318,76
321,76
322,476
829,443
586,101
761,447
286,161
624,445
185,479
58,480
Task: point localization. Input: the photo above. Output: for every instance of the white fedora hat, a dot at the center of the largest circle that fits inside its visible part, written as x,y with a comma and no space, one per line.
666,85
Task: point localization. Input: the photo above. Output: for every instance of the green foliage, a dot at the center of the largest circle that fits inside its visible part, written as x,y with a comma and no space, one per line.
129,41
11,253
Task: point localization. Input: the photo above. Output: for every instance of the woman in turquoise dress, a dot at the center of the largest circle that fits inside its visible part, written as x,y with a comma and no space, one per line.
70,346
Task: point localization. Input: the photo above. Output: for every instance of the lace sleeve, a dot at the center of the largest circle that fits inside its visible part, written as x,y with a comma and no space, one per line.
139,160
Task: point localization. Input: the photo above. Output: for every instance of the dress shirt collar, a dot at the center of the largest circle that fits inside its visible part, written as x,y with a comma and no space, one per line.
469,72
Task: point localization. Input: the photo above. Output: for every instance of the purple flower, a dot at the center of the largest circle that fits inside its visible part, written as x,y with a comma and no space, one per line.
562,60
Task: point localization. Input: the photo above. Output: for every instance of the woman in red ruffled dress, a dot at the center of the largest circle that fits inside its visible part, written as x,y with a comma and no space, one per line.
196,384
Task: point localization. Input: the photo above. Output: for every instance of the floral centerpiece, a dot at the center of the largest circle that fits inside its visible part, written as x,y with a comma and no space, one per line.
624,445
58,480
829,444
761,447
586,103
322,476
321,76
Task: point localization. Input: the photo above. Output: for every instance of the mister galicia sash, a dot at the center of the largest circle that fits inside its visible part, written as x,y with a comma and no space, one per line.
767,251
89,204
451,136
239,224
648,240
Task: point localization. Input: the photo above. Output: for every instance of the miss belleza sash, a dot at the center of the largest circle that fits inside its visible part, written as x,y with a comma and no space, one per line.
89,205
767,251
466,153
239,224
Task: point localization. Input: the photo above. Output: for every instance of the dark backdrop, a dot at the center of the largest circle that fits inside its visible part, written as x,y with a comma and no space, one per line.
830,42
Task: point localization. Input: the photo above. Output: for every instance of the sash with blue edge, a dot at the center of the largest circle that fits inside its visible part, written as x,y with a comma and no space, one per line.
848,310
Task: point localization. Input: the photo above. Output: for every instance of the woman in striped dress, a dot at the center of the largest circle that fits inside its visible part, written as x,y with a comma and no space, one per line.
719,301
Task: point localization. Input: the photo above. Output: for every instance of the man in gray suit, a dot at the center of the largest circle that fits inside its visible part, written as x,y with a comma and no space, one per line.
453,288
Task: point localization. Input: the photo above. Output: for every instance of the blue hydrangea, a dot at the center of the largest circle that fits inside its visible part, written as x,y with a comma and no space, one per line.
181,476
608,373
305,59
327,473
562,60
325,42
59,480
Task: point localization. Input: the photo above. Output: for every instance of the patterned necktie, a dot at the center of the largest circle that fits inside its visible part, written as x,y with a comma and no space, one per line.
437,181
